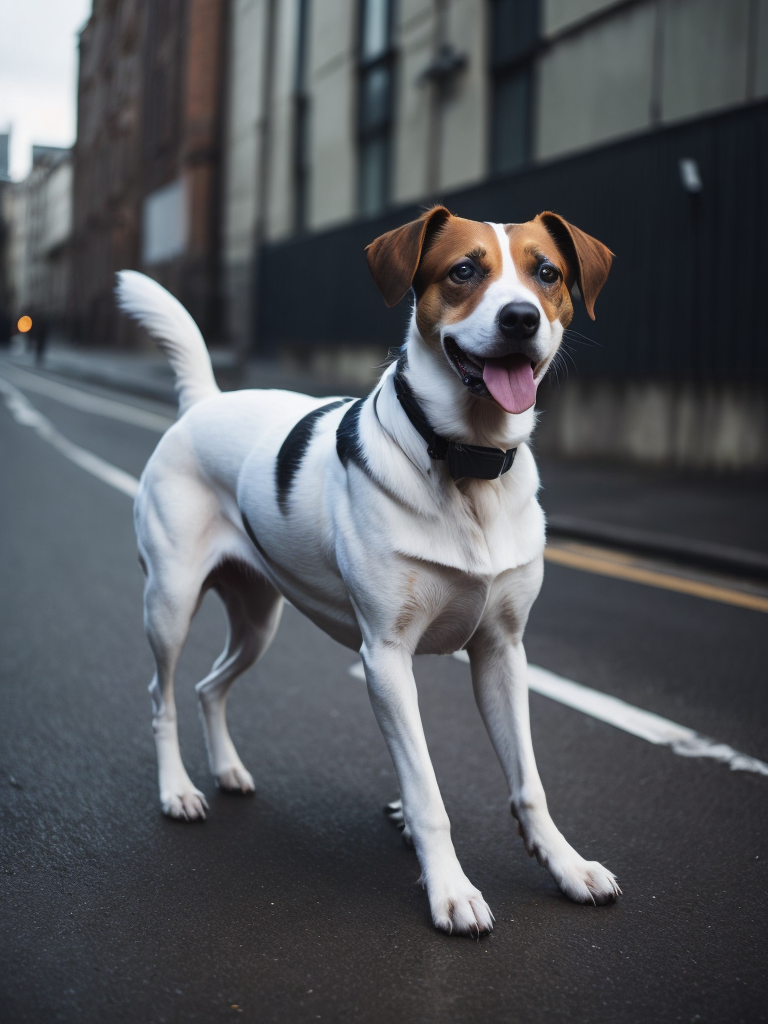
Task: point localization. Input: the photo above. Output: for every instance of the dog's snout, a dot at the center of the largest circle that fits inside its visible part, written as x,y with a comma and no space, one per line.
519,320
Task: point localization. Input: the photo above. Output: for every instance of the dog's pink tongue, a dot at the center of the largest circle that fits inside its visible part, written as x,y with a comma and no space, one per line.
510,381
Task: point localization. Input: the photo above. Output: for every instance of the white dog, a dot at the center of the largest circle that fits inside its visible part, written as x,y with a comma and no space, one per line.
404,523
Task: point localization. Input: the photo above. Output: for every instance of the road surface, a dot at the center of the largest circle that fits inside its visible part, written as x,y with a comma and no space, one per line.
301,903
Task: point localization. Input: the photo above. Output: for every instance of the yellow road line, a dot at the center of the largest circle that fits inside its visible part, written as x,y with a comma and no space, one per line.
607,566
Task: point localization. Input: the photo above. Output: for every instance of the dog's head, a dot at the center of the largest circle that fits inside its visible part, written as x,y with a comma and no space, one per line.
492,300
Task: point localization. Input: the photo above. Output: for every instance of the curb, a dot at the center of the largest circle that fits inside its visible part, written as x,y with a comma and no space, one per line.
163,391
704,554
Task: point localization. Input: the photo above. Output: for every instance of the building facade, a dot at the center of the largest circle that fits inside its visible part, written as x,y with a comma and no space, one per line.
643,121
147,158
38,224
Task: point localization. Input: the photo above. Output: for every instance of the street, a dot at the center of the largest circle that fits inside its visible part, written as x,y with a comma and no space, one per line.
302,903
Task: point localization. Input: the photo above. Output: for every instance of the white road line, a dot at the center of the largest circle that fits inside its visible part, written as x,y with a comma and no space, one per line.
87,402
646,725
25,414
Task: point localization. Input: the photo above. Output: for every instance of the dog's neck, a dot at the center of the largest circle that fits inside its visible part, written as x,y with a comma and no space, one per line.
451,409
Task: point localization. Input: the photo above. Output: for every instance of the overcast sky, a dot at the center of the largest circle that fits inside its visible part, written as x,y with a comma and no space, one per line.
38,74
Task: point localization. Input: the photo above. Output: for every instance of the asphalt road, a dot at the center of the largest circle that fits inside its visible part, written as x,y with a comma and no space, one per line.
301,903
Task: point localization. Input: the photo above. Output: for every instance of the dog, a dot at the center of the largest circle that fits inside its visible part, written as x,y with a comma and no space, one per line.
403,523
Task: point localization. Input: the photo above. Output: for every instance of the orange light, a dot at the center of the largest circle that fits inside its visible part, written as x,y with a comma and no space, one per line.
24,324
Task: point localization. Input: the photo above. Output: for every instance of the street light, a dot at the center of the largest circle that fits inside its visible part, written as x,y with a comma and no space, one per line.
24,324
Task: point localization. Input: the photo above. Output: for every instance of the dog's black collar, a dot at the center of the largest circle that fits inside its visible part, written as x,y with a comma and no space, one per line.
464,460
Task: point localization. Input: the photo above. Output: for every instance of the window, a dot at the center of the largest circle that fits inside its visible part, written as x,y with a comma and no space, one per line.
513,44
375,105
301,121
164,234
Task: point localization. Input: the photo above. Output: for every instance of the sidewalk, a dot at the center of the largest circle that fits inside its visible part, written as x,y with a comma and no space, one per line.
149,373
716,522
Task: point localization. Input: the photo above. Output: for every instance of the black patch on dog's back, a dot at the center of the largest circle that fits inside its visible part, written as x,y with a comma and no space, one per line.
349,447
294,448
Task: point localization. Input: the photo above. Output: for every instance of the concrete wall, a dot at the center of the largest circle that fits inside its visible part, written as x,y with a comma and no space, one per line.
414,39
656,61
332,88
241,145
759,52
559,15
463,138
278,215
700,426
704,65
596,85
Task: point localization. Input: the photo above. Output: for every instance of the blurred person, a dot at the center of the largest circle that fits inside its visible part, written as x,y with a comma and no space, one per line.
6,329
39,337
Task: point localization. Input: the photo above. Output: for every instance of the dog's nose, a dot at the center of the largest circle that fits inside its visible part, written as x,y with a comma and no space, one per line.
519,320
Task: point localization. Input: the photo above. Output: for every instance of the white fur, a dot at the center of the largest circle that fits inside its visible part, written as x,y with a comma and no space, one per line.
174,330
392,561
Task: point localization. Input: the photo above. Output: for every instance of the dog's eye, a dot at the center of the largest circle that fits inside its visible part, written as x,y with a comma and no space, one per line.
463,271
548,274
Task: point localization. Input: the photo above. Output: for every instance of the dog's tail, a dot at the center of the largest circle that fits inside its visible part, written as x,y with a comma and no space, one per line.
174,330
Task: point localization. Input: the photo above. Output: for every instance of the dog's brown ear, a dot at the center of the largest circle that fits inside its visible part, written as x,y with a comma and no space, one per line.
394,257
588,260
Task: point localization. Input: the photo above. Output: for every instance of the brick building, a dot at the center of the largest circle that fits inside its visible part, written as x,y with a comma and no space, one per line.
147,158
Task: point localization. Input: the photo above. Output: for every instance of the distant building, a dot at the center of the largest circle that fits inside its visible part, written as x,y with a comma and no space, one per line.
643,121
5,269
147,158
4,155
38,221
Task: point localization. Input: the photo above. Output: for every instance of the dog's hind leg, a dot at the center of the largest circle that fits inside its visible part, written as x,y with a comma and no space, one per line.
253,608
170,602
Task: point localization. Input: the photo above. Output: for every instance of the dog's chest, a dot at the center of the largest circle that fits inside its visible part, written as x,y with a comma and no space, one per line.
458,601
480,534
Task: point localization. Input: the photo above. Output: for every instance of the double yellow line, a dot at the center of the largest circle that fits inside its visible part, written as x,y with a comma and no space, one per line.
625,567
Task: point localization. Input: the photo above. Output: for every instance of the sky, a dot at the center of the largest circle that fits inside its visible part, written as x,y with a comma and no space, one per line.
38,74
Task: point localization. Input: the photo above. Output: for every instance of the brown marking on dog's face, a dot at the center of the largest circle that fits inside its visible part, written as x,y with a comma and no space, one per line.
587,260
531,247
394,257
440,298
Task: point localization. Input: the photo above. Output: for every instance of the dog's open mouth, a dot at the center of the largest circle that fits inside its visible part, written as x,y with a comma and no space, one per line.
509,381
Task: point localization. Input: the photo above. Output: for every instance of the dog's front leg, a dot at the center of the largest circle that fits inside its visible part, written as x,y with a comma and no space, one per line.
500,681
456,905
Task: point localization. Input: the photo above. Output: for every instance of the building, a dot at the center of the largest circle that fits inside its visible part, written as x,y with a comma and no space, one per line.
147,158
5,269
38,222
4,155
642,121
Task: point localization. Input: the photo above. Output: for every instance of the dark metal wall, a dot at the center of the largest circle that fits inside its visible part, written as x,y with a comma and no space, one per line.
688,290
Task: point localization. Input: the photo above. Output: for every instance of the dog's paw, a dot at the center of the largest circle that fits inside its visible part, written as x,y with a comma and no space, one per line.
583,881
587,881
235,779
460,909
187,805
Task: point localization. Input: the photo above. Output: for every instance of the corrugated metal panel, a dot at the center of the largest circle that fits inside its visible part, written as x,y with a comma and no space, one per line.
686,295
